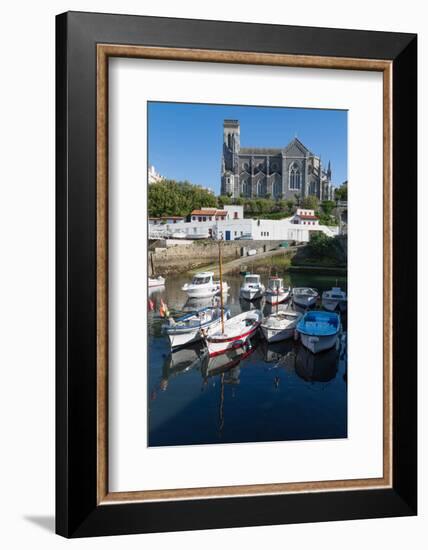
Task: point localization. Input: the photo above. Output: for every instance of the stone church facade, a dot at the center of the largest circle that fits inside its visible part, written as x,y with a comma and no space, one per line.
276,173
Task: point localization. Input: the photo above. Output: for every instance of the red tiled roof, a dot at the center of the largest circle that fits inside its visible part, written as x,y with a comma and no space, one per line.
305,217
212,212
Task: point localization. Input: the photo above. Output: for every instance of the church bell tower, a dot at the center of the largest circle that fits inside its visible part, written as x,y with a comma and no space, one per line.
231,145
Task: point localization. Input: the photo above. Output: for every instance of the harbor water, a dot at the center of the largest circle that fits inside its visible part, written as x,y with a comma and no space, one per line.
276,392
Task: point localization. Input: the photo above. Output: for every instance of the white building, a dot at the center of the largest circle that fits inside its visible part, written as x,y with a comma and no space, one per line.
305,216
207,214
231,228
153,176
166,219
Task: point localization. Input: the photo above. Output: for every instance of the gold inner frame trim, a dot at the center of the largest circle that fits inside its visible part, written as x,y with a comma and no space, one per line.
104,51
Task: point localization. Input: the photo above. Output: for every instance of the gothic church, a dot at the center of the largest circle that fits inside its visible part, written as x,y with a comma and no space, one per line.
276,173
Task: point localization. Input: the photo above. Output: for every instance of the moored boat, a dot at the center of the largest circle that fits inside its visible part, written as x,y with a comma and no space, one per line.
334,299
252,288
156,282
305,297
276,293
198,236
234,333
318,330
179,235
193,326
204,286
280,326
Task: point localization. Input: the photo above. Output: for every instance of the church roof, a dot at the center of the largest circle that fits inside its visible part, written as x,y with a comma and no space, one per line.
294,144
260,151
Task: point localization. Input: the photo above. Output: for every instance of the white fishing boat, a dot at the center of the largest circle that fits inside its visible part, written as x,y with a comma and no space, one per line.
193,326
276,292
234,333
319,330
179,235
156,282
334,299
204,286
252,288
305,297
199,236
280,326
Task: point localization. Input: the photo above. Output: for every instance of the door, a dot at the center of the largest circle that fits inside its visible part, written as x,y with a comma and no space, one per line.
227,235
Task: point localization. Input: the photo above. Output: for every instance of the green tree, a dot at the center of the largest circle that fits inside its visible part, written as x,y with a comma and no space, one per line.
341,193
172,198
327,207
310,202
224,199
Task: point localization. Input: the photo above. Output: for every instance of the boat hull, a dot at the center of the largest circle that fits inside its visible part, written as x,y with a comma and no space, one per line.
237,331
155,283
206,292
217,347
277,335
315,344
279,298
305,302
333,305
251,294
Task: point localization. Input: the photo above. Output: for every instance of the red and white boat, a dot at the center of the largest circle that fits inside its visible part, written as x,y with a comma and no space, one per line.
276,292
237,330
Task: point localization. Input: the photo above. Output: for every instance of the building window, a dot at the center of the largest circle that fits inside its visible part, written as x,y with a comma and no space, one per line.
194,218
277,188
246,188
242,233
235,215
199,219
295,177
204,219
261,188
236,233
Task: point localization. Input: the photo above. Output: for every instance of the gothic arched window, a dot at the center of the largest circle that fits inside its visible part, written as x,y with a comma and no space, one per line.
246,188
261,187
277,189
295,177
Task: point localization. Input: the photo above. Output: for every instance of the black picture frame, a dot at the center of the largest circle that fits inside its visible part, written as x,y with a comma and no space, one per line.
77,511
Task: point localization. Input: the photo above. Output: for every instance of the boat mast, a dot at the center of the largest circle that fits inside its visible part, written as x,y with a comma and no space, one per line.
221,284
151,262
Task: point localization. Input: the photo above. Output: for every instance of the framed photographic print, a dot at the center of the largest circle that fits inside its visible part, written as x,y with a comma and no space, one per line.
236,221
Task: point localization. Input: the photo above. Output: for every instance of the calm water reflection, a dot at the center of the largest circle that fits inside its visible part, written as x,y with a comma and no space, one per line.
265,393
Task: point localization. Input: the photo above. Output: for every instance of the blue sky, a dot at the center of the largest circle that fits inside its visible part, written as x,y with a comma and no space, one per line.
186,139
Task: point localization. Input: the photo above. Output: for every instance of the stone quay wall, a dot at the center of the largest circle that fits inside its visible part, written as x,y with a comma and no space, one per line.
185,257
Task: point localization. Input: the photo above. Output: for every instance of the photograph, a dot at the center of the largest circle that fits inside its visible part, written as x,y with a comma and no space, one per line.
247,210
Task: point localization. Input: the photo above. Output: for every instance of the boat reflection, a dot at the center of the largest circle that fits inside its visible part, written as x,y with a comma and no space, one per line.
246,305
226,361
193,304
182,361
319,367
280,354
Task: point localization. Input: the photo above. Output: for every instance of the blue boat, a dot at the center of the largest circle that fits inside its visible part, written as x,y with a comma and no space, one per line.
319,330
